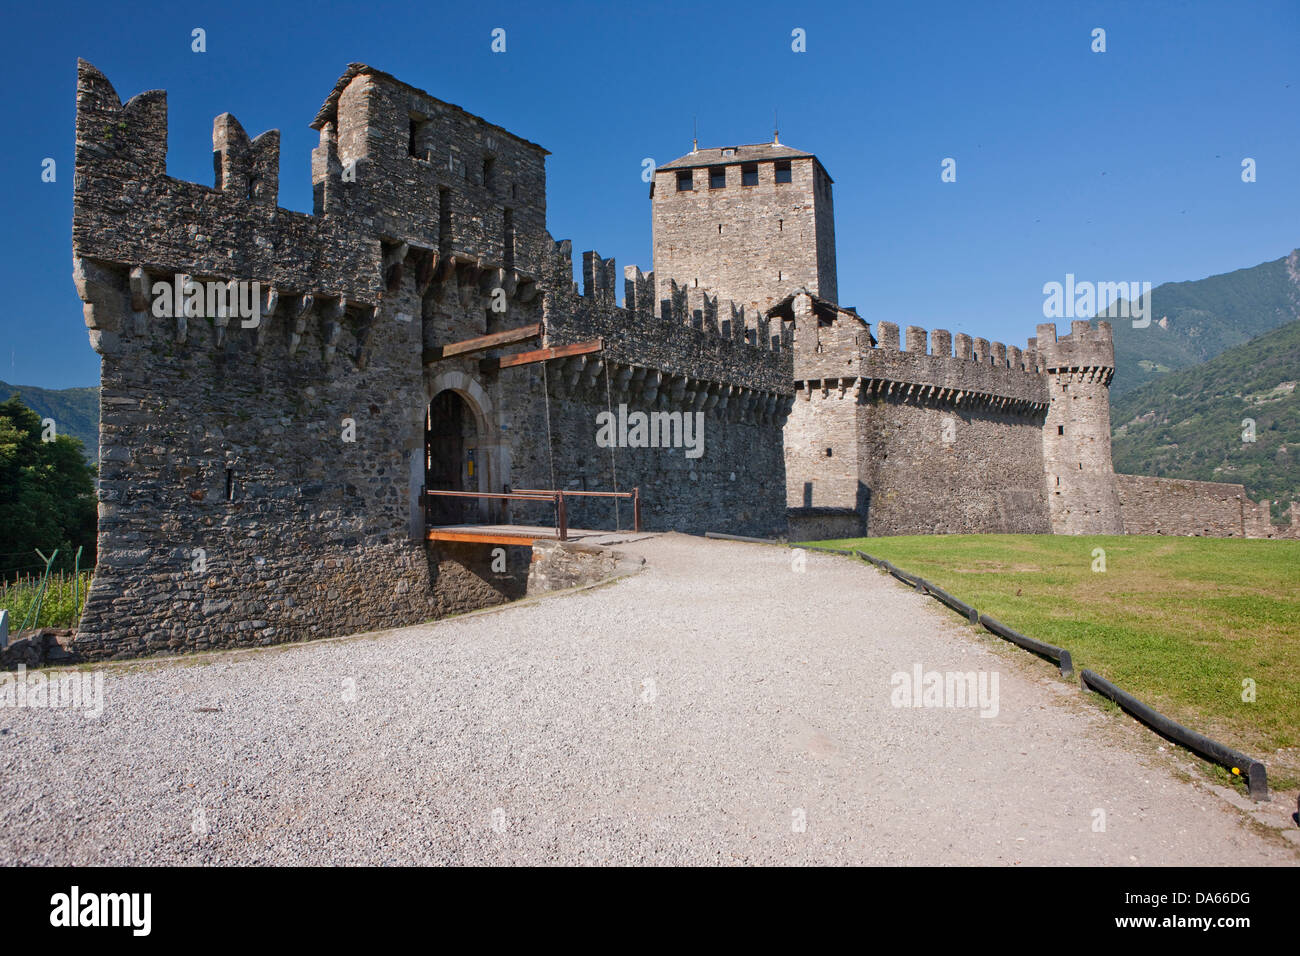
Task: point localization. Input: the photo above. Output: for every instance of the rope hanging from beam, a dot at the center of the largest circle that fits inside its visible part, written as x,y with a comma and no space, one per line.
546,397
613,468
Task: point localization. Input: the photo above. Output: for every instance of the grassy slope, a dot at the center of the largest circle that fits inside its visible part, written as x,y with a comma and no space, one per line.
1178,622
1188,424
1205,317
75,411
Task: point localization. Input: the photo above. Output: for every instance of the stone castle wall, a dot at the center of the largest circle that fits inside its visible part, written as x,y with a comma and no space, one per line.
264,483
1210,509
692,354
1167,506
917,440
1259,523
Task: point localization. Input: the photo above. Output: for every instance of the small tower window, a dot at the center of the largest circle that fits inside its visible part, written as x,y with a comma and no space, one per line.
783,171
685,182
488,164
1060,429
749,174
508,238
444,219
718,177
417,123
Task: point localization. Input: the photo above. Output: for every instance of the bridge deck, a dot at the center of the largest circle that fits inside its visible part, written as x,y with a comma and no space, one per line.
519,534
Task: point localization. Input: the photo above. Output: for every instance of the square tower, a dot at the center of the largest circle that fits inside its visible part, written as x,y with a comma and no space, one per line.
747,223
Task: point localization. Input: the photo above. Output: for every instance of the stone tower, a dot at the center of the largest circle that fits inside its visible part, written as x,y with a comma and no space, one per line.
747,223
1082,493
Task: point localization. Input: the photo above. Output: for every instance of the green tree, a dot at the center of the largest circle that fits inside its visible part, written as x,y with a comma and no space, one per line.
47,493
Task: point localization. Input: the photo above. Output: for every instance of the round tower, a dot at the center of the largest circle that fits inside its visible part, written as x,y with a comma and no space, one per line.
1082,494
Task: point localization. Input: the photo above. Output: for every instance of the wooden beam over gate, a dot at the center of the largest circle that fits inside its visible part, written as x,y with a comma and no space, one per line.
482,343
542,355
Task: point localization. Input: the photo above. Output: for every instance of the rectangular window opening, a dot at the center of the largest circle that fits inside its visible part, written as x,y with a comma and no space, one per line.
489,164
444,219
508,238
417,123
783,174
749,174
718,177
685,182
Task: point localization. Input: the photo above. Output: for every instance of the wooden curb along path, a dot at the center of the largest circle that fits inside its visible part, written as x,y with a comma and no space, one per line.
1240,764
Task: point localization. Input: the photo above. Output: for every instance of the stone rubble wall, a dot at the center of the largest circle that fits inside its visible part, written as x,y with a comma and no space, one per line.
1210,509
557,565
693,355
920,440
263,484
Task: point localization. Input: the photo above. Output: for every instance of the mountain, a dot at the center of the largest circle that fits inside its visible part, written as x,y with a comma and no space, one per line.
75,411
1195,321
1188,424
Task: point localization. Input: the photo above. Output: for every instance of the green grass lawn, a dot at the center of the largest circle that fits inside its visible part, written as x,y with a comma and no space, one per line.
1178,622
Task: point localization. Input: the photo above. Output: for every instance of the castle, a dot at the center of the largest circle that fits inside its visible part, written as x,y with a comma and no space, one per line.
263,478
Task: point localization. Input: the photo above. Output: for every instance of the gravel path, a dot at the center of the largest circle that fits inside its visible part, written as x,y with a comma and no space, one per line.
717,707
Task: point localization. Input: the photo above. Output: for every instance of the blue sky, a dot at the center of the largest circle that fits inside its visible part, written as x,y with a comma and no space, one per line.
1115,166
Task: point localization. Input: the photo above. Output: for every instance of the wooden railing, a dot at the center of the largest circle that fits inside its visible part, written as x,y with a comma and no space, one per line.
556,497
634,494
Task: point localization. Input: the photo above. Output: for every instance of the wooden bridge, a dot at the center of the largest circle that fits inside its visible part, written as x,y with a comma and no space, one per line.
518,534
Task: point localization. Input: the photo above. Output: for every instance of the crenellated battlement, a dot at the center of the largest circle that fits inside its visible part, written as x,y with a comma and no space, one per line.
278,390
135,227
941,344
919,365
418,170
690,334
690,307
1086,351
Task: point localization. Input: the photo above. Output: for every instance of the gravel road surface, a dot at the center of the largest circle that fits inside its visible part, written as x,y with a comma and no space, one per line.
719,707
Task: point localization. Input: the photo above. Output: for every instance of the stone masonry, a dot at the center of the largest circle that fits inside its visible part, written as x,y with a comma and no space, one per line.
749,223
921,433
262,481
263,473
